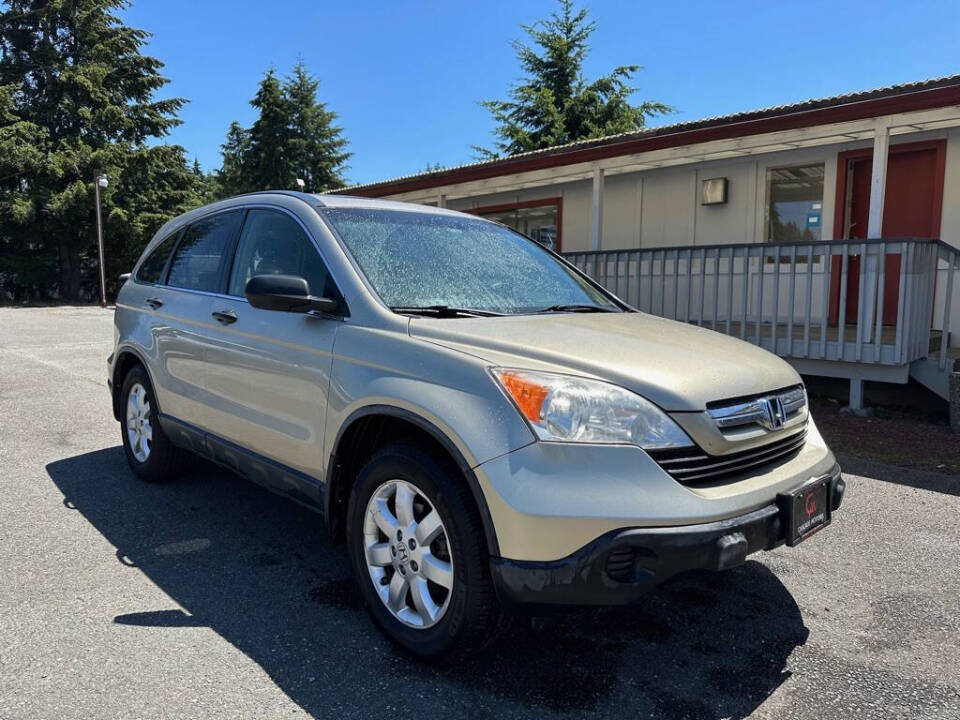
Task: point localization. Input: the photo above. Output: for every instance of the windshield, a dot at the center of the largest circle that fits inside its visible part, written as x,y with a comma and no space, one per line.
422,260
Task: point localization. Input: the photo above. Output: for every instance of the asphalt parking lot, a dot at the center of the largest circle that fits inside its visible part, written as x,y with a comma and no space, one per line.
209,597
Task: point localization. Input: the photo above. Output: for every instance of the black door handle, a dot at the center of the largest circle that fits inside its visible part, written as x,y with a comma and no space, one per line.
154,302
225,317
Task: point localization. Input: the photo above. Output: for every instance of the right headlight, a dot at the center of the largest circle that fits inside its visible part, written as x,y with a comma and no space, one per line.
566,408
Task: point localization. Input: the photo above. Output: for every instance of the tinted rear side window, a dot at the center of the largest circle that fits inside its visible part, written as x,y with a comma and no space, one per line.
152,268
196,264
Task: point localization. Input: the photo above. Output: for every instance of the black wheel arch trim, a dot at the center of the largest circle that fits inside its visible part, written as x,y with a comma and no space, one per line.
118,382
437,434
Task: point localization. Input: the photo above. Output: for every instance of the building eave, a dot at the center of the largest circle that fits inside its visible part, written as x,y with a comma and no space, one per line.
925,95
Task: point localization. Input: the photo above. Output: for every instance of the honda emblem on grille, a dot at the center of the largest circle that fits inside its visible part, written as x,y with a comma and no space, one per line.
770,412
774,414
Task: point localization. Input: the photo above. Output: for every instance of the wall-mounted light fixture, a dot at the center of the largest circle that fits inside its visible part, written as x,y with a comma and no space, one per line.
713,191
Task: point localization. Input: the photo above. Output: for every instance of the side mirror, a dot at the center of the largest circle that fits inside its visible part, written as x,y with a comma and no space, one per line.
286,293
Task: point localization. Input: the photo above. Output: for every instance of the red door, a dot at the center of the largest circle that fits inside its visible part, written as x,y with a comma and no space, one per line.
911,208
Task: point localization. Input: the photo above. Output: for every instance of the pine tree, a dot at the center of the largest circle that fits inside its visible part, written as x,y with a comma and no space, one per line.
232,177
316,149
294,136
208,188
267,155
554,104
79,100
152,185
20,158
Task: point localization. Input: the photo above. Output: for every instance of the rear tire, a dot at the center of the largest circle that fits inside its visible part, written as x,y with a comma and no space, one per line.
448,603
149,452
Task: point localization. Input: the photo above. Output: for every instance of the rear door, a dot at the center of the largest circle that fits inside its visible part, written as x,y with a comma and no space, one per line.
194,275
142,315
268,372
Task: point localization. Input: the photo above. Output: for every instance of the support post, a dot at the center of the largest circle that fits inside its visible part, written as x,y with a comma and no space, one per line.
878,179
596,210
97,179
954,392
878,186
441,200
856,394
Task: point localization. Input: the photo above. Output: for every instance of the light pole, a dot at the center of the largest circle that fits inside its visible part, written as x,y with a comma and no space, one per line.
100,181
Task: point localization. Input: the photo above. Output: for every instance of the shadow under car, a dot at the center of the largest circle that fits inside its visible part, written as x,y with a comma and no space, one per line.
261,572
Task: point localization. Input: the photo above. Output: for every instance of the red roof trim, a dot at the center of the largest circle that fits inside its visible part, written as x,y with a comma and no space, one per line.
844,112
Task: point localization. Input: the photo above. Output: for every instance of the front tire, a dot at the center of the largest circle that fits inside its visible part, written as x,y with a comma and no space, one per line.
417,549
149,451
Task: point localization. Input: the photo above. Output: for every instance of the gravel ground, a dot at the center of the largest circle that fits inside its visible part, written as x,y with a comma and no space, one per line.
209,597
897,437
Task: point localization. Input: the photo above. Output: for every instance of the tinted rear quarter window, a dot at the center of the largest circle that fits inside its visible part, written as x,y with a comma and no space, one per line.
196,264
151,269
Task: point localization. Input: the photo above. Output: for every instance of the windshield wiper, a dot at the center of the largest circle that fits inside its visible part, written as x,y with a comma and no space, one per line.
443,311
575,308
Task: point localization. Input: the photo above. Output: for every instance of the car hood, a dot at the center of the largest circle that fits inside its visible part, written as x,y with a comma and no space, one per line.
679,367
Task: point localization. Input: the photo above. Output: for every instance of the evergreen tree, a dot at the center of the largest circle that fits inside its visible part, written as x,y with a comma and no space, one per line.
152,185
554,104
316,150
294,136
208,187
232,177
268,152
79,99
20,158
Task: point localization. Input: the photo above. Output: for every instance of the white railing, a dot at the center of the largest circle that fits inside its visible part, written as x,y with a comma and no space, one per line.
867,301
946,297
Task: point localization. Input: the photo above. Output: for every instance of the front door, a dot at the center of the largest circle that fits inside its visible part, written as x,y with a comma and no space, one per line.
268,372
911,209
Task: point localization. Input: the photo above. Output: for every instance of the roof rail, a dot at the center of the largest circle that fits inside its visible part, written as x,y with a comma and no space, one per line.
290,193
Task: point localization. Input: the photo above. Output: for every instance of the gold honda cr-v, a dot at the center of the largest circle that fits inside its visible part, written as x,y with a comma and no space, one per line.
486,428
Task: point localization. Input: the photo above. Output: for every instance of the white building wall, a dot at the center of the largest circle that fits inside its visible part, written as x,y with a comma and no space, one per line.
621,211
577,198
950,219
733,222
950,233
667,207
661,208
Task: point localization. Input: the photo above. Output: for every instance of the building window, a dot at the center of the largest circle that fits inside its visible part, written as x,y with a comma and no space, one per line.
539,219
794,204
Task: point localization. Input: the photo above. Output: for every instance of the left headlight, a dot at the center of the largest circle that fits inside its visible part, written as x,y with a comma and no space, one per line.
565,408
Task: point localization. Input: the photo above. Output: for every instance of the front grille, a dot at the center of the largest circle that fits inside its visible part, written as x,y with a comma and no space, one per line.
768,410
692,466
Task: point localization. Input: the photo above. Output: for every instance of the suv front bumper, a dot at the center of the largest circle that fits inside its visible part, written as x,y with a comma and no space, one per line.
620,566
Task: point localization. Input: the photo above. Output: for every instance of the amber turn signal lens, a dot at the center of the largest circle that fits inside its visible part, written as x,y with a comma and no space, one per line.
528,396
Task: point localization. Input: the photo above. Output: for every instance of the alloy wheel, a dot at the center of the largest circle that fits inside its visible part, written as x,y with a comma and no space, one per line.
139,431
407,551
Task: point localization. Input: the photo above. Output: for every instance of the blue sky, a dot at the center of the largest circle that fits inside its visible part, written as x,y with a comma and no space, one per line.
406,77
